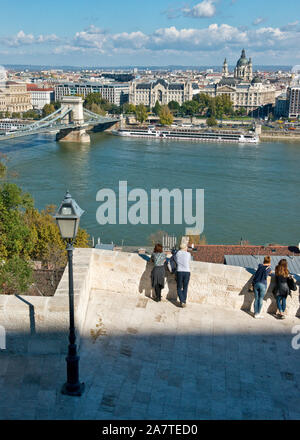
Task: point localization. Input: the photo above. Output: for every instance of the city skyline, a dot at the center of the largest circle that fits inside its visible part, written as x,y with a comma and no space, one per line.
193,33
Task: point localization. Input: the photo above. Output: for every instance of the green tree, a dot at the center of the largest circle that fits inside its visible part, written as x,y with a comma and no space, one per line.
27,234
3,168
174,106
48,109
96,108
157,108
31,114
211,121
16,275
57,104
128,108
190,108
16,115
94,98
165,115
141,113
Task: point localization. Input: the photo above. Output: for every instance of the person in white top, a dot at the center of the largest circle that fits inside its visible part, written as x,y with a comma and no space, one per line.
183,259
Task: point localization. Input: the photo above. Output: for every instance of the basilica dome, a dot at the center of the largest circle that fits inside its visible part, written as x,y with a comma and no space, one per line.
243,60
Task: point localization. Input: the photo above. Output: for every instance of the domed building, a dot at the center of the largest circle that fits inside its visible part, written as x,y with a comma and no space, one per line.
244,70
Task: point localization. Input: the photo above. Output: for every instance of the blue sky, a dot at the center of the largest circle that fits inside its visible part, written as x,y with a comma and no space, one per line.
101,33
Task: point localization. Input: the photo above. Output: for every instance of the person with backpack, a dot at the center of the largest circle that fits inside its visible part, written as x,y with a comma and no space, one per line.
171,262
284,284
158,273
260,285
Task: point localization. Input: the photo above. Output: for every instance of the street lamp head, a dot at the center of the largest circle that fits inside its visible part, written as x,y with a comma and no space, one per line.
68,217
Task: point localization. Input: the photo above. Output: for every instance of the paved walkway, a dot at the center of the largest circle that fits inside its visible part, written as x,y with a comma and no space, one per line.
146,360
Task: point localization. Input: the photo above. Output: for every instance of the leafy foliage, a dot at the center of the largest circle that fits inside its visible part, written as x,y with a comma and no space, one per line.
174,106
211,121
16,274
31,114
48,109
157,108
128,108
141,113
165,115
28,234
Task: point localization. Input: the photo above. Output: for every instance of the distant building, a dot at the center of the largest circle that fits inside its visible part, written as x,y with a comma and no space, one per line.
14,97
293,101
40,97
243,95
243,90
114,93
243,70
225,71
148,93
281,106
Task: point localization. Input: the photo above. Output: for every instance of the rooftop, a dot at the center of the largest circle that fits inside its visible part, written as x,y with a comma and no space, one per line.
216,253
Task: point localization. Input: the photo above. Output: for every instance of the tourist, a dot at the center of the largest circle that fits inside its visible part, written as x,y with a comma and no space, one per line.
158,273
260,285
183,258
282,287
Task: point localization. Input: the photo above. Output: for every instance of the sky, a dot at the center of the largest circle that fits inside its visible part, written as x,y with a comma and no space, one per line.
144,33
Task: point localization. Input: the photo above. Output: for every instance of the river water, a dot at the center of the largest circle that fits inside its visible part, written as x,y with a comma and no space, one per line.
251,191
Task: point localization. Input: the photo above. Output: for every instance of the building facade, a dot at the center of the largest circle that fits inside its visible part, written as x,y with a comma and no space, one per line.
40,97
161,90
114,93
281,106
14,97
293,101
243,70
249,96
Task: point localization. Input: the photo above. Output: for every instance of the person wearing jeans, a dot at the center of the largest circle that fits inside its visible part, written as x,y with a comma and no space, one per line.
260,285
282,289
183,258
259,291
281,304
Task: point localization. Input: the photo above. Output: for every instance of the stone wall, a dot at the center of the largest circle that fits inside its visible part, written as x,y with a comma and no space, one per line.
40,324
215,284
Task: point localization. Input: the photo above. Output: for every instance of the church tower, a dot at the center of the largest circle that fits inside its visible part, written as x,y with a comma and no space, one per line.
243,70
225,71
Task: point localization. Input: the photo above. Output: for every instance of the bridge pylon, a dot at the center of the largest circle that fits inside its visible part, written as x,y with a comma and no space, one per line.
75,117
76,104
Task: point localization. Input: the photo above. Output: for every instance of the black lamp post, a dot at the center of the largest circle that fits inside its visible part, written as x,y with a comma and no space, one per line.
68,218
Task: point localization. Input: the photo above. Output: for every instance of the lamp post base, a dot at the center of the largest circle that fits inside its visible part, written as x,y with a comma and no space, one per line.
70,390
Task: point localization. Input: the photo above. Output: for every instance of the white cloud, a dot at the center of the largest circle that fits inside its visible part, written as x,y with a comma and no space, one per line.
22,39
212,40
136,40
204,9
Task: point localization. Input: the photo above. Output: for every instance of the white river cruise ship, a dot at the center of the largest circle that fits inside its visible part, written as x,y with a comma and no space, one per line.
188,134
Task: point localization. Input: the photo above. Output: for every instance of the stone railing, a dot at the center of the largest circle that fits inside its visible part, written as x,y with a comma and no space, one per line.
215,284
40,324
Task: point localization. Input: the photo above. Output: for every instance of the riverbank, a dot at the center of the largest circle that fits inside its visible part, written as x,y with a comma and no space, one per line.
279,136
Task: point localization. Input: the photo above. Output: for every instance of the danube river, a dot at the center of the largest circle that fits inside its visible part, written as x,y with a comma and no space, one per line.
251,191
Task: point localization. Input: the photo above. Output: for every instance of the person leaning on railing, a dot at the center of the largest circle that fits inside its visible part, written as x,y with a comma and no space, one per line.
260,285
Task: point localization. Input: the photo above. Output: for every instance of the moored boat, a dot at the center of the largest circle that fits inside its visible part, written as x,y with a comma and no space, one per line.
188,134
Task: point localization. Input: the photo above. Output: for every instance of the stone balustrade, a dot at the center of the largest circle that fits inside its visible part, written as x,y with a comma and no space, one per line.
40,324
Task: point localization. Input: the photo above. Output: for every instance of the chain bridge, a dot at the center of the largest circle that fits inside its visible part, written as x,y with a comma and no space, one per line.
71,122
